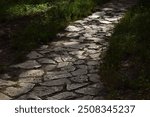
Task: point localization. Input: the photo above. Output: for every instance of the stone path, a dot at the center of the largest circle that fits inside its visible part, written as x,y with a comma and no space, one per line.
67,68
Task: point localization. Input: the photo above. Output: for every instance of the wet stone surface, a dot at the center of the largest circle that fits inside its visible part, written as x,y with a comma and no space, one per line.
67,68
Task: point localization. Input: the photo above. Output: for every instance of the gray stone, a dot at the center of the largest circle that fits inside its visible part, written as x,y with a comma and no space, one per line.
93,63
58,59
58,49
95,27
81,56
67,58
94,39
4,83
62,96
93,46
70,43
44,91
85,98
82,66
112,19
75,47
88,91
76,52
79,62
46,51
73,29
72,35
107,9
4,97
75,86
95,56
105,22
79,72
56,82
91,32
94,16
46,61
32,73
63,64
29,97
30,64
90,52
57,43
30,80
34,55
50,67
68,68
87,28
56,75
80,22
43,47
99,13
86,35
22,88
80,79
94,77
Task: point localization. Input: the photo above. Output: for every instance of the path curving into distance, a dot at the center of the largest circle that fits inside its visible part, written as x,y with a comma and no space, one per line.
69,67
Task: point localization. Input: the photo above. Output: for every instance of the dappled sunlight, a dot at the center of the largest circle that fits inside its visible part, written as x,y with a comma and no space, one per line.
67,68
27,9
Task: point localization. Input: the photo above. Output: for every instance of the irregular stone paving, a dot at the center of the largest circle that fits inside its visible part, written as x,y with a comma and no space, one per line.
67,68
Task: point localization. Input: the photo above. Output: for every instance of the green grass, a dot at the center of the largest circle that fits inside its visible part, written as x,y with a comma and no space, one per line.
26,9
44,27
127,62
41,19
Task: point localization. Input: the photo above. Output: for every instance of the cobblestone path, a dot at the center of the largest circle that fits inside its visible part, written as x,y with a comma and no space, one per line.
69,67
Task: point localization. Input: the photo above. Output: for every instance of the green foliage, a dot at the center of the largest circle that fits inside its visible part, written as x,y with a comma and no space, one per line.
43,18
40,20
127,62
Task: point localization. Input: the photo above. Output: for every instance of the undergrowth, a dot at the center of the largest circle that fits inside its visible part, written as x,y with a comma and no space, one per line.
41,20
126,66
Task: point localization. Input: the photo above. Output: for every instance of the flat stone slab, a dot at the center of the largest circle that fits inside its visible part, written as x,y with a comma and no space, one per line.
79,72
34,55
43,90
49,67
33,80
30,64
29,97
63,64
46,61
94,77
69,44
57,75
75,86
4,83
32,73
63,95
88,91
56,82
73,29
4,97
22,88
80,78
69,68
